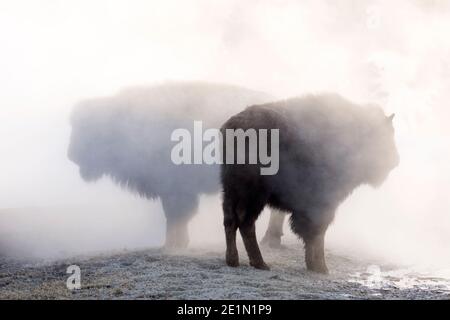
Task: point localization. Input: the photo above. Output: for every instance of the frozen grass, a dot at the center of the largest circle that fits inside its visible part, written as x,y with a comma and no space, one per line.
202,274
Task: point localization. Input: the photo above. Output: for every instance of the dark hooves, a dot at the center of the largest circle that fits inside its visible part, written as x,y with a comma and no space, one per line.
260,266
233,264
232,261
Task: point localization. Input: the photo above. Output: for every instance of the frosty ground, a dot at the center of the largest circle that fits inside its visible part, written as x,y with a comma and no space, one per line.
202,274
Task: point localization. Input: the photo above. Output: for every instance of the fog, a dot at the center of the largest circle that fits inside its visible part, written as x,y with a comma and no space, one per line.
55,53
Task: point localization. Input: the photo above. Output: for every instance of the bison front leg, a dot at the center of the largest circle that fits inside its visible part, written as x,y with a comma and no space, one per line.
177,235
313,235
272,238
315,253
178,209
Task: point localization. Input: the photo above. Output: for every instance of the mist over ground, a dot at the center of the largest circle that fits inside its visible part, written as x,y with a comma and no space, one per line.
55,53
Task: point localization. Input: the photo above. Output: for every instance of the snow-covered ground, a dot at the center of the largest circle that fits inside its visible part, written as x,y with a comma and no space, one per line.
201,273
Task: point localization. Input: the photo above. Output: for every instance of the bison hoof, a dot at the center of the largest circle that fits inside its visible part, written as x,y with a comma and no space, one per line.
260,265
232,260
319,269
233,263
174,244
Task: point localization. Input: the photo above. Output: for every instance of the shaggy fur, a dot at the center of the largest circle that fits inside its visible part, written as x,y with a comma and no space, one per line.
127,138
328,147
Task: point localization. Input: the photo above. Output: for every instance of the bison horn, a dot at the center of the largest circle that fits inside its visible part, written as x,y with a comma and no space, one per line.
391,117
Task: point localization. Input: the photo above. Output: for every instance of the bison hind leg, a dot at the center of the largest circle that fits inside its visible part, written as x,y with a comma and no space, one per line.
248,234
239,215
272,237
248,214
230,223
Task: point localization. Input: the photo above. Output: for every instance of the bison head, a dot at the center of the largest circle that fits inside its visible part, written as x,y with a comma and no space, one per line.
92,138
379,152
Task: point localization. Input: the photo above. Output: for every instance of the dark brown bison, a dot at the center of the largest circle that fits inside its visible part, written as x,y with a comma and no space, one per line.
328,146
127,138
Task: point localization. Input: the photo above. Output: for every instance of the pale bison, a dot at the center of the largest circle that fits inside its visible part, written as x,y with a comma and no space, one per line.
328,146
127,137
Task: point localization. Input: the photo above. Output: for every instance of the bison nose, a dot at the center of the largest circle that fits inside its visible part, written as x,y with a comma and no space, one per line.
71,154
397,159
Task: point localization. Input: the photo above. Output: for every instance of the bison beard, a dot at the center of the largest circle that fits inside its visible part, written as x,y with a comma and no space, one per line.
328,147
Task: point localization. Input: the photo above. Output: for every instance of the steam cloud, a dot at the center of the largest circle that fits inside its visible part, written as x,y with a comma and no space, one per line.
56,53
